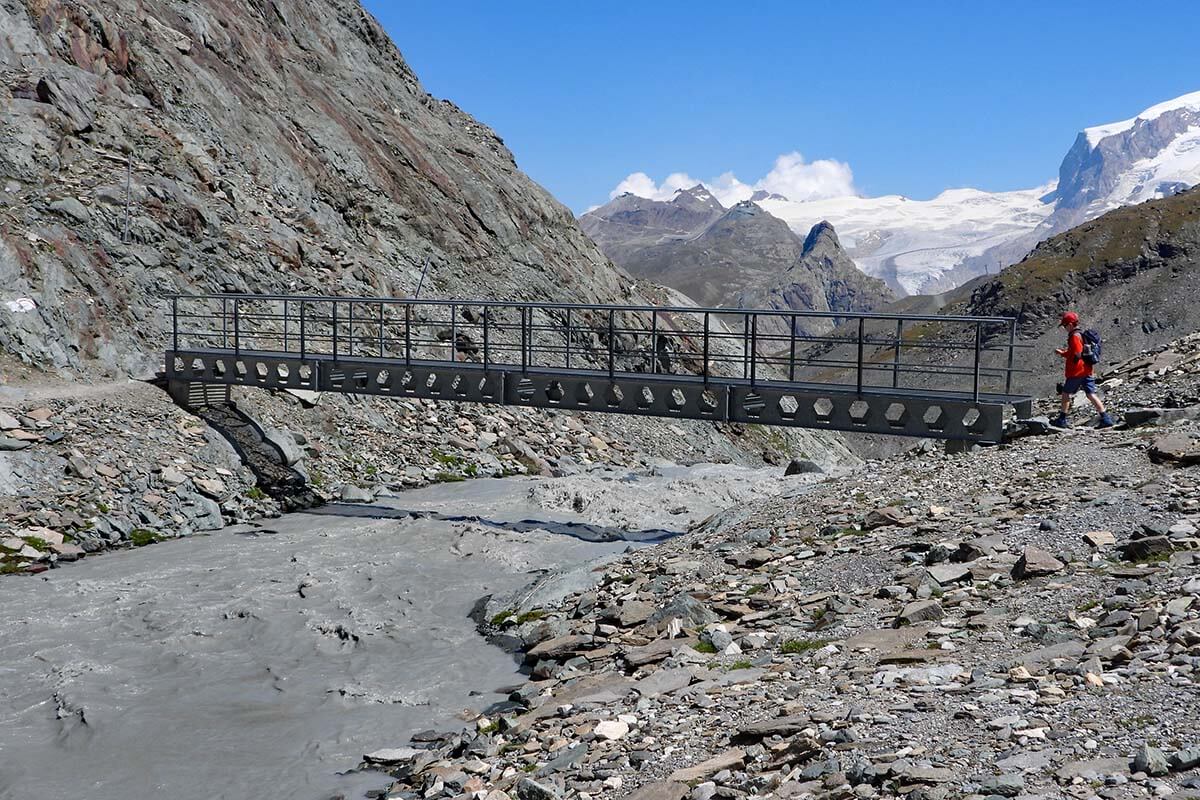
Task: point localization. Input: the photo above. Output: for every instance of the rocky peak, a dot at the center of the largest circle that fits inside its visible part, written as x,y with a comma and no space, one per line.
1128,162
697,197
822,239
763,194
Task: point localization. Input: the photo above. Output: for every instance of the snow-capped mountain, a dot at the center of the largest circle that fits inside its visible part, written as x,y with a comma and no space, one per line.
928,246
923,246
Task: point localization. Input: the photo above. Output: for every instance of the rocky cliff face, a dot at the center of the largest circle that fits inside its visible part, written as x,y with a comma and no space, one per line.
165,146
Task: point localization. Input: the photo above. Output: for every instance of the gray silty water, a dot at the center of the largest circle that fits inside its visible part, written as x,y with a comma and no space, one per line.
230,665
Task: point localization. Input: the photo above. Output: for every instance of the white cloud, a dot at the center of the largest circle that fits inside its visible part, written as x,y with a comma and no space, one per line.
791,176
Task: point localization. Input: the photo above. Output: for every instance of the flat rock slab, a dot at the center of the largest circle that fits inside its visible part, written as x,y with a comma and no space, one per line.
727,760
655,651
1041,658
560,646
1175,448
763,729
946,574
661,790
1093,769
665,681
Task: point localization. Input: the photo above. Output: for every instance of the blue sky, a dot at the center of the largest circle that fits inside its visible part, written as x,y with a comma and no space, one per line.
914,96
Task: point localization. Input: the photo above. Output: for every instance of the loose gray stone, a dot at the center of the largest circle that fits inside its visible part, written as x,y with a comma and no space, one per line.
1151,761
1009,785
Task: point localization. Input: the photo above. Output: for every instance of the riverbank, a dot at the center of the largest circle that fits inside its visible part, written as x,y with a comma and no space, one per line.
86,468
1019,621
274,654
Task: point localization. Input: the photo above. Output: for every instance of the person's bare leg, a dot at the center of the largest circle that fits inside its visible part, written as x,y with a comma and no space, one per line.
1097,403
1066,403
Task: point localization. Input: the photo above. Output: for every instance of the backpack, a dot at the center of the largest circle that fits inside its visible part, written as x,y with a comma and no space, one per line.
1092,347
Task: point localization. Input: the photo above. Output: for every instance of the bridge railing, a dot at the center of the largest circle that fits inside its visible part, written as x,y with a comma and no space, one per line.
968,356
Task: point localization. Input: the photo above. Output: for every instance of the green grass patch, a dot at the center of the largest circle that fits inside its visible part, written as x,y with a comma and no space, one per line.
532,615
255,493
706,647
490,728
140,537
741,664
11,568
39,544
502,617
448,477
797,646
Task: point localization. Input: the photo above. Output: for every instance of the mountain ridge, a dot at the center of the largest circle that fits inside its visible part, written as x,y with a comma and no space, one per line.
930,246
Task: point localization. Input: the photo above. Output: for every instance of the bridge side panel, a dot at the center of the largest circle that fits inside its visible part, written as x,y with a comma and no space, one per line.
898,415
623,395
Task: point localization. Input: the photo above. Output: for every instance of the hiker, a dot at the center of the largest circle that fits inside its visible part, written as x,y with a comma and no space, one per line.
1081,354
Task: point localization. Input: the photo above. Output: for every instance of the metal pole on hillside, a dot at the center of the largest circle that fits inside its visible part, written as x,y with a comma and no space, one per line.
421,282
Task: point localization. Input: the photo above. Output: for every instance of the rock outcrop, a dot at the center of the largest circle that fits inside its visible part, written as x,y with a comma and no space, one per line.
742,257
167,146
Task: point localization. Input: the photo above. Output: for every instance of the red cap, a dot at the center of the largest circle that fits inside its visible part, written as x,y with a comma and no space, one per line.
1068,319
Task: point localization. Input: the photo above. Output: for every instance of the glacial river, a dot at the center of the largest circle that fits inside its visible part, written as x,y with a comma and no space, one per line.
264,661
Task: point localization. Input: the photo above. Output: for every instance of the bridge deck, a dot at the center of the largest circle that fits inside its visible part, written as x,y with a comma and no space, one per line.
674,362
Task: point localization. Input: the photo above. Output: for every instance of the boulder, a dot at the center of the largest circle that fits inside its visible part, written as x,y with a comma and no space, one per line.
882,517
919,611
356,494
1151,761
1036,563
1147,548
802,466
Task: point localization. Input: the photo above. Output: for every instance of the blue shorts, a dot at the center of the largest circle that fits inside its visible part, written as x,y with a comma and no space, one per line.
1086,383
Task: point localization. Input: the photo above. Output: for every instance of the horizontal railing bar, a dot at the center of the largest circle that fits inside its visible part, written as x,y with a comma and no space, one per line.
730,312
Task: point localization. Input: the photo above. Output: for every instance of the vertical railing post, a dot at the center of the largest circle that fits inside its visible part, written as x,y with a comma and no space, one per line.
524,338
453,332
568,335
350,326
237,339
303,341
382,345
611,339
654,342
408,334
745,346
704,368
224,324
334,319
978,345
896,360
486,338
753,348
862,329
792,350
175,323
286,339
1012,345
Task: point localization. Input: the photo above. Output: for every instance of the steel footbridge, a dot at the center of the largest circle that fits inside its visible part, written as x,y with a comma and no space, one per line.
947,377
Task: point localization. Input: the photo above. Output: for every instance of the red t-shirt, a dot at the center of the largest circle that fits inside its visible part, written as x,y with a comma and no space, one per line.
1076,367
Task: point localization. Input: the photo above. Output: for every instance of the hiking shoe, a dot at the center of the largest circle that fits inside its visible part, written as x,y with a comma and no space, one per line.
1060,421
1106,421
